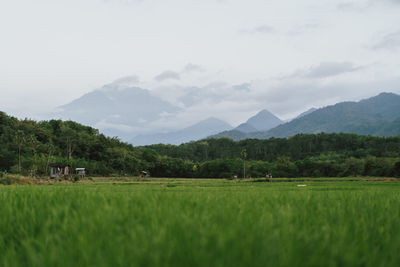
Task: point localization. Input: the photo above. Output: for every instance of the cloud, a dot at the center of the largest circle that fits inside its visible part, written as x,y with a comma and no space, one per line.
364,5
305,28
261,29
192,68
127,80
244,87
390,41
354,6
122,2
167,75
325,70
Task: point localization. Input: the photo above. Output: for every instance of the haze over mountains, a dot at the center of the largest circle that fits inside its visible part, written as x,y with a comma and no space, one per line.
117,111
136,115
195,132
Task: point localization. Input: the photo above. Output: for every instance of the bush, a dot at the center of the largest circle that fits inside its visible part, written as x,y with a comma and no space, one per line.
76,178
396,169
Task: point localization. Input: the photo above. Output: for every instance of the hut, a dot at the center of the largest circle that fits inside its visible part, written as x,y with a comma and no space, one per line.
143,174
59,170
81,172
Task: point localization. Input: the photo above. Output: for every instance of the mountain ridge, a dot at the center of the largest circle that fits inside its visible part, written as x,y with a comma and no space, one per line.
368,116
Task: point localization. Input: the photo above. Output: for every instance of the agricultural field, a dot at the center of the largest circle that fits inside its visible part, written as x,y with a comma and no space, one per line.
201,222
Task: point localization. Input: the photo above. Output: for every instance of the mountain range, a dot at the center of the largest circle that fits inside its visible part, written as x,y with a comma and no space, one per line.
137,116
195,132
379,115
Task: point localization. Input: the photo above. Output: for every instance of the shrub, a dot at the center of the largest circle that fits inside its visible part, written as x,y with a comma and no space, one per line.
76,178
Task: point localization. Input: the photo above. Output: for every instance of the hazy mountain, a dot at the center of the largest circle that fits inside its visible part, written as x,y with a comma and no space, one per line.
311,110
116,111
245,128
232,134
197,131
378,115
262,121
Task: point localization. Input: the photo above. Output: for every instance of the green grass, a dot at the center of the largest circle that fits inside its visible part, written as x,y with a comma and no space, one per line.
201,223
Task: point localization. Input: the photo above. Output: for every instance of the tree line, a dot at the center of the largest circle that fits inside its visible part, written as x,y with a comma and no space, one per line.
28,147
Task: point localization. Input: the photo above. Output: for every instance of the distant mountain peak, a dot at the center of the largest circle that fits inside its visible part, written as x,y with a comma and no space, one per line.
117,110
264,120
264,112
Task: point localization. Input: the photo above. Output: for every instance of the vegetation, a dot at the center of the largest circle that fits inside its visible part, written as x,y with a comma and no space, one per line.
201,223
304,155
28,147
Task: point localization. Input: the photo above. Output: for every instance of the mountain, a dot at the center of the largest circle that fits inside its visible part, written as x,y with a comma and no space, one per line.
262,121
311,110
245,128
197,131
116,111
378,115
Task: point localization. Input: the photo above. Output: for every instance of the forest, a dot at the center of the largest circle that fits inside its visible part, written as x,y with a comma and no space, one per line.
28,147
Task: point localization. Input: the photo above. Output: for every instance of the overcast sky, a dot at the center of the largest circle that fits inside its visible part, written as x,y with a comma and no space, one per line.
286,56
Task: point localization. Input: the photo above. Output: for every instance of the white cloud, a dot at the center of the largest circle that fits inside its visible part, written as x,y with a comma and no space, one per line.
189,68
127,81
328,69
167,75
261,29
390,41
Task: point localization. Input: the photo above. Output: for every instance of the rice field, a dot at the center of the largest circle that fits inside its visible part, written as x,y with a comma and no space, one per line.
201,223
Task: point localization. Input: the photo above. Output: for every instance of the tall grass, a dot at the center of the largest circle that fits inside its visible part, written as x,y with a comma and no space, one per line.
205,223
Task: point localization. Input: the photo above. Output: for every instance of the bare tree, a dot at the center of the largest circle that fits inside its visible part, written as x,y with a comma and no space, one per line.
50,148
68,133
19,140
33,143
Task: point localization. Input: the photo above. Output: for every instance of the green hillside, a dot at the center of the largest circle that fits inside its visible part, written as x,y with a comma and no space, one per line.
29,147
378,116
373,116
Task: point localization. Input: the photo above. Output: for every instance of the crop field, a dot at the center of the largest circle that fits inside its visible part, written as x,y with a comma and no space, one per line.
173,222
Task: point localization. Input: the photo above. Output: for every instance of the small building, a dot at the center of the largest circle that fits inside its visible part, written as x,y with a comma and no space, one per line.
81,172
143,174
59,170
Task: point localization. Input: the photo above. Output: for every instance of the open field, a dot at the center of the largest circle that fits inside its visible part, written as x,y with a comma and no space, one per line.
204,222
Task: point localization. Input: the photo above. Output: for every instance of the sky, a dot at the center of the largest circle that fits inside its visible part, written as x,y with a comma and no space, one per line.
237,57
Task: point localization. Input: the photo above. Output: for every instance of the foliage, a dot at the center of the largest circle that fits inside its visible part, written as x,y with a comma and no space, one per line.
27,147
